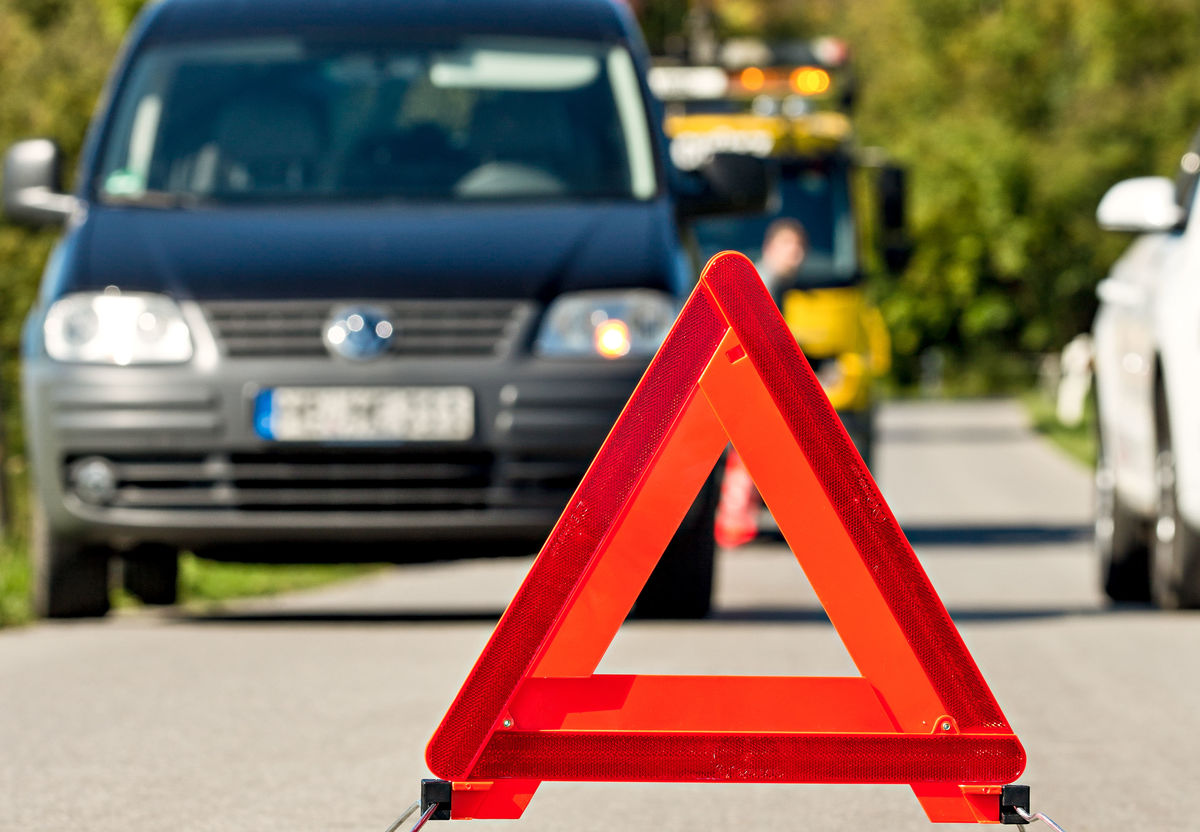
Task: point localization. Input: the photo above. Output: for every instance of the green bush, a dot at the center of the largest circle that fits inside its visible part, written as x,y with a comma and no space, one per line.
15,589
1014,117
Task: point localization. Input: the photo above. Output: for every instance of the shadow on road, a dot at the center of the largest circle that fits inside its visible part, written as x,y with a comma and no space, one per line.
983,534
301,616
951,534
984,615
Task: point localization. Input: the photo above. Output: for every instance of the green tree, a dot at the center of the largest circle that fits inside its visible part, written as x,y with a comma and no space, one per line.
1014,117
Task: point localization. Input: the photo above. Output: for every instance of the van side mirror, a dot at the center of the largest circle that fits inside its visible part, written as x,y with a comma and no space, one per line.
728,183
32,187
1142,204
896,245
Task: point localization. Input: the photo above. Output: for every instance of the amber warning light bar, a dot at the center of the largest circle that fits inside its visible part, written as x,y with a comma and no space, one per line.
534,708
691,83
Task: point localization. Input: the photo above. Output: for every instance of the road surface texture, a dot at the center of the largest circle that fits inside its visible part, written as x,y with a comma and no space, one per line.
311,712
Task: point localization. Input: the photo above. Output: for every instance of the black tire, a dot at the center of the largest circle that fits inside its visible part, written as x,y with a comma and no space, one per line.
69,580
681,586
151,574
1122,539
1175,556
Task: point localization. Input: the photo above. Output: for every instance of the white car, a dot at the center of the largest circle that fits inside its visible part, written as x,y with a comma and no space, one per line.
1147,357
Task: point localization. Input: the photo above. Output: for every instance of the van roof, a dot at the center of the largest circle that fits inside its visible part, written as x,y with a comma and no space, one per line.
173,20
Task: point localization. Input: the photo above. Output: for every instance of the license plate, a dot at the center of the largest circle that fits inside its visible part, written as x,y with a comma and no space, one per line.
360,414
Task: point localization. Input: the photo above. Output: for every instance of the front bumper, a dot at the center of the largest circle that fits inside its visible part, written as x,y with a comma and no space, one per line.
192,472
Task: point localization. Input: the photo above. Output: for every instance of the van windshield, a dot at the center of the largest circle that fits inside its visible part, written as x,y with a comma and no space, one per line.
284,119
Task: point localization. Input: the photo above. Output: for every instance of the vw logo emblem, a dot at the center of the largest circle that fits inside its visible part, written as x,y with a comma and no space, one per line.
358,332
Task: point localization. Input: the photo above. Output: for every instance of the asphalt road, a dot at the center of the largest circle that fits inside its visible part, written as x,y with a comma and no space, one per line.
311,712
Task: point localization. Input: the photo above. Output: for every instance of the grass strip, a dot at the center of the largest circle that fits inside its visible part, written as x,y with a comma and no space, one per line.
199,580
16,602
208,580
1078,441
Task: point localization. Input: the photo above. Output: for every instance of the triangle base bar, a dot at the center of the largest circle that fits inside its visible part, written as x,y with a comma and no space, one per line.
750,758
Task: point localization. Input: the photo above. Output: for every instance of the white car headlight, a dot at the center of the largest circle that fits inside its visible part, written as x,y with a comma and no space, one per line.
133,328
609,324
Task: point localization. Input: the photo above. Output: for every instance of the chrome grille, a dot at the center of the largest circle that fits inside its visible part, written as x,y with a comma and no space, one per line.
293,328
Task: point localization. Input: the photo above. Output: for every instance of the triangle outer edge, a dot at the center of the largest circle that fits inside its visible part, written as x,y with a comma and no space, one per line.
730,299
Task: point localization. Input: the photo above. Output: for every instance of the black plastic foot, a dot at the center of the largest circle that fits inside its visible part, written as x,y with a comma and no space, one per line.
439,792
1012,798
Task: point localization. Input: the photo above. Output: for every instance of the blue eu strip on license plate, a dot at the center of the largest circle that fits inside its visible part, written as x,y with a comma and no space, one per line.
264,405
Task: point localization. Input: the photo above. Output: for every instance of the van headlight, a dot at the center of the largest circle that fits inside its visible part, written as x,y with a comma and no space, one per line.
609,324
121,329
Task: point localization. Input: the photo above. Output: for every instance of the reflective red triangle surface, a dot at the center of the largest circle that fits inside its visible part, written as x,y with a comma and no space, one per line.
533,709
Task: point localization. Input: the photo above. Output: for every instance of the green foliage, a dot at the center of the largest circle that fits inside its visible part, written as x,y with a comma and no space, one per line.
1014,117
662,19
54,57
15,588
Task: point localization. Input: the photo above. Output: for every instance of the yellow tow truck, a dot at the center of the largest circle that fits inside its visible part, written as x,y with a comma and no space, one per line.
849,201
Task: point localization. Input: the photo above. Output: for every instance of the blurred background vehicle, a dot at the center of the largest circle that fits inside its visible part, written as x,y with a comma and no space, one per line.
790,103
364,282
1146,355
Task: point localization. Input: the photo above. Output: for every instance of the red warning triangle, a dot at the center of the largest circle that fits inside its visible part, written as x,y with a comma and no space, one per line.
533,709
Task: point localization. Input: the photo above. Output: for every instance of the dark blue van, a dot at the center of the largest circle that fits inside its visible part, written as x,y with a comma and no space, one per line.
351,280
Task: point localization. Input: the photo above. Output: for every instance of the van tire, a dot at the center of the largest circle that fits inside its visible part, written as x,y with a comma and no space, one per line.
681,586
70,580
150,573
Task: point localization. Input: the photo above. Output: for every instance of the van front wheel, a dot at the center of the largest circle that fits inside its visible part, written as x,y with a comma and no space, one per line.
70,580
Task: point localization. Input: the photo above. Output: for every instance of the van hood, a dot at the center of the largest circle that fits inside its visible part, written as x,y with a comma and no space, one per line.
496,250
